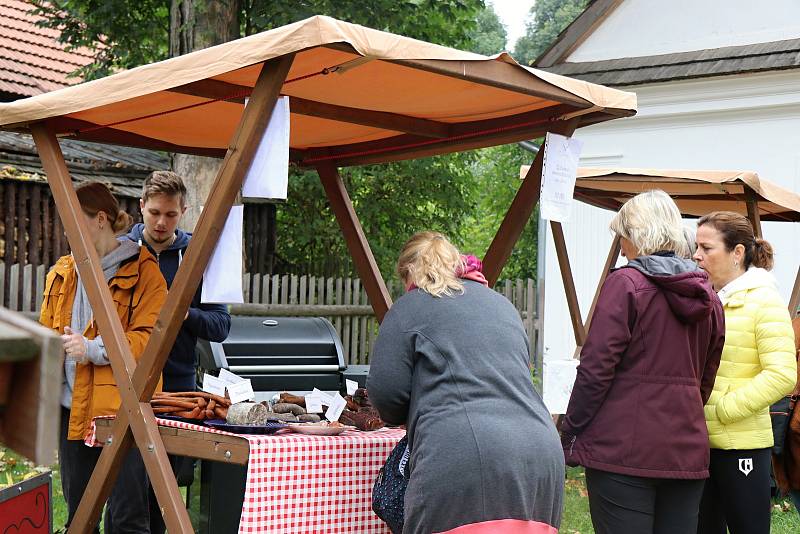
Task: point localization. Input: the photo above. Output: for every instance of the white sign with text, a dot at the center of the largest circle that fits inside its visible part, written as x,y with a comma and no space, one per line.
559,170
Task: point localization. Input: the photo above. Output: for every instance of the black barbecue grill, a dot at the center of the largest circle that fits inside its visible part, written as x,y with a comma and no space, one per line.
277,354
295,354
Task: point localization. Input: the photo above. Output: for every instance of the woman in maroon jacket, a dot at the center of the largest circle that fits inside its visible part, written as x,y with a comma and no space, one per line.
635,419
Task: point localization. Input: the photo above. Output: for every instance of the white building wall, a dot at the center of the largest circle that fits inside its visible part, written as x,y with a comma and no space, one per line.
652,27
747,122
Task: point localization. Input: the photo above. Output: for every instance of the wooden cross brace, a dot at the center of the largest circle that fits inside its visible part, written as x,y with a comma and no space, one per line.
135,421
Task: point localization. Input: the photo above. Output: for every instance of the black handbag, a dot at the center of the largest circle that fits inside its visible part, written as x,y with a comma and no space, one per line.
390,487
781,413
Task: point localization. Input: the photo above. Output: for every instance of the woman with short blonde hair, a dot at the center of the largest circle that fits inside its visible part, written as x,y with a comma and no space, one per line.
635,418
451,363
651,222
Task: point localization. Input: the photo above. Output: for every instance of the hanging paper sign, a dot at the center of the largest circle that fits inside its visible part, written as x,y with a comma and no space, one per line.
559,170
559,377
268,176
222,281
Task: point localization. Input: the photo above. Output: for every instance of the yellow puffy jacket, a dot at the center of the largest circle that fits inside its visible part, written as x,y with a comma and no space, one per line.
139,291
758,364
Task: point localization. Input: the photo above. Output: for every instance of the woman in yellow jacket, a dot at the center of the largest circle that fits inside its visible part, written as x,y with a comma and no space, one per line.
89,390
757,368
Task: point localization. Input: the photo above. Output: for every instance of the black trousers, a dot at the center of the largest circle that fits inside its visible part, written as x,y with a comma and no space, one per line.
638,505
183,469
127,504
737,496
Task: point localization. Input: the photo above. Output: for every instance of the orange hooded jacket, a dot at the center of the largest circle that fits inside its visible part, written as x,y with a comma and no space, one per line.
138,290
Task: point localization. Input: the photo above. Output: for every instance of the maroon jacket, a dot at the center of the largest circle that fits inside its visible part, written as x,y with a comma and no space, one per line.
647,369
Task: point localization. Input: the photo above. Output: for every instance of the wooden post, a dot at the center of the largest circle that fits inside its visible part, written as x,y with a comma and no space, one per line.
143,422
611,260
356,241
752,210
520,211
794,299
145,378
569,283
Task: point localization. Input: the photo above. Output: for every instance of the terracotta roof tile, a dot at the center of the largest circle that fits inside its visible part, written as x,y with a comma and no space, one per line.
32,61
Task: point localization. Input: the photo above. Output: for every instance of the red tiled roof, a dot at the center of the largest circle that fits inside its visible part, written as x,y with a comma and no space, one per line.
32,61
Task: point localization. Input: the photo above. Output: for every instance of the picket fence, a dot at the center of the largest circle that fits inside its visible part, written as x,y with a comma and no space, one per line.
342,300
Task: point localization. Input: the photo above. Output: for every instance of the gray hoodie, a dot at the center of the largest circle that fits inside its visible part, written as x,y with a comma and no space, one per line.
82,315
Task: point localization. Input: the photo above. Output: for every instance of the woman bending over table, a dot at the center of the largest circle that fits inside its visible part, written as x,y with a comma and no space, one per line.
89,389
451,363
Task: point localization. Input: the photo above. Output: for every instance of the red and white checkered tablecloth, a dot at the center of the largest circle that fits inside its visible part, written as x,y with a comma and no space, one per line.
309,484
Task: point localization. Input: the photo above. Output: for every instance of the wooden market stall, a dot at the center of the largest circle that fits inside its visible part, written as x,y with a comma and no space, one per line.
695,192
357,96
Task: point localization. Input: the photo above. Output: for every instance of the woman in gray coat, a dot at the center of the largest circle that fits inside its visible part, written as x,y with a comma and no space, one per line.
451,363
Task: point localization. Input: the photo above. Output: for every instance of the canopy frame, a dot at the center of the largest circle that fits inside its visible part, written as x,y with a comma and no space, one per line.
580,328
564,107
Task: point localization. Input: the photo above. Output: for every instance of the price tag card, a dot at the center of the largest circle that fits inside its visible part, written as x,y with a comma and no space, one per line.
241,391
326,399
336,408
213,385
352,386
228,377
313,403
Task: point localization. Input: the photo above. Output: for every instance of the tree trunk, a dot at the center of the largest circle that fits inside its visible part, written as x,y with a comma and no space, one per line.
194,25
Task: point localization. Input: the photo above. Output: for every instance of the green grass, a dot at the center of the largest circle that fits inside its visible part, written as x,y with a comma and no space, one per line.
576,520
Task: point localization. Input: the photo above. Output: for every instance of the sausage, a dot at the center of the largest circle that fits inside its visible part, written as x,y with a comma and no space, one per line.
293,399
187,405
166,409
285,407
220,400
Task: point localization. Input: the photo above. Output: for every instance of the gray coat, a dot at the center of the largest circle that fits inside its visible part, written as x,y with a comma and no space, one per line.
455,371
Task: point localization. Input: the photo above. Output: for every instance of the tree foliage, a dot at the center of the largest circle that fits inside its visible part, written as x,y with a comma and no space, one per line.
462,195
547,18
127,33
490,35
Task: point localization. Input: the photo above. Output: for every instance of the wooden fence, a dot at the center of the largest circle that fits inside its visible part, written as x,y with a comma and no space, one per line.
342,300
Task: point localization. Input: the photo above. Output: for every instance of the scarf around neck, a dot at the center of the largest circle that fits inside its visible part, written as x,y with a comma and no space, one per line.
471,269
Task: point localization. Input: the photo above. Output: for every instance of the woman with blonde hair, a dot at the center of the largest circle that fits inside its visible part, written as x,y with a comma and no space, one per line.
635,418
89,389
758,368
451,363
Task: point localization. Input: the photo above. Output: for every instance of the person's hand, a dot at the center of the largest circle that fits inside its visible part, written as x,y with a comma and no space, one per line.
75,346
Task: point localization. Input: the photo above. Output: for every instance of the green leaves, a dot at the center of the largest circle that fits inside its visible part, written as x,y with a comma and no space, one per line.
546,20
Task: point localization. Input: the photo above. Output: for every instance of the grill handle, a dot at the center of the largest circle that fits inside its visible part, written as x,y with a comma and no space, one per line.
282,368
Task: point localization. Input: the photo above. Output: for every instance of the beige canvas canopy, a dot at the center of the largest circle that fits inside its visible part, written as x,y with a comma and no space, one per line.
358,95
695,192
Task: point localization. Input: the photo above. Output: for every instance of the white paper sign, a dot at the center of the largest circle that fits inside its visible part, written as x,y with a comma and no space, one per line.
222,281
336,408
241,391
559,170
228,377
213,385
326,399
559,377
313,403
268,176
351,385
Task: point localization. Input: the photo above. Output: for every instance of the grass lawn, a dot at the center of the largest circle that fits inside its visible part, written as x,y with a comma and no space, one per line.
785,519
